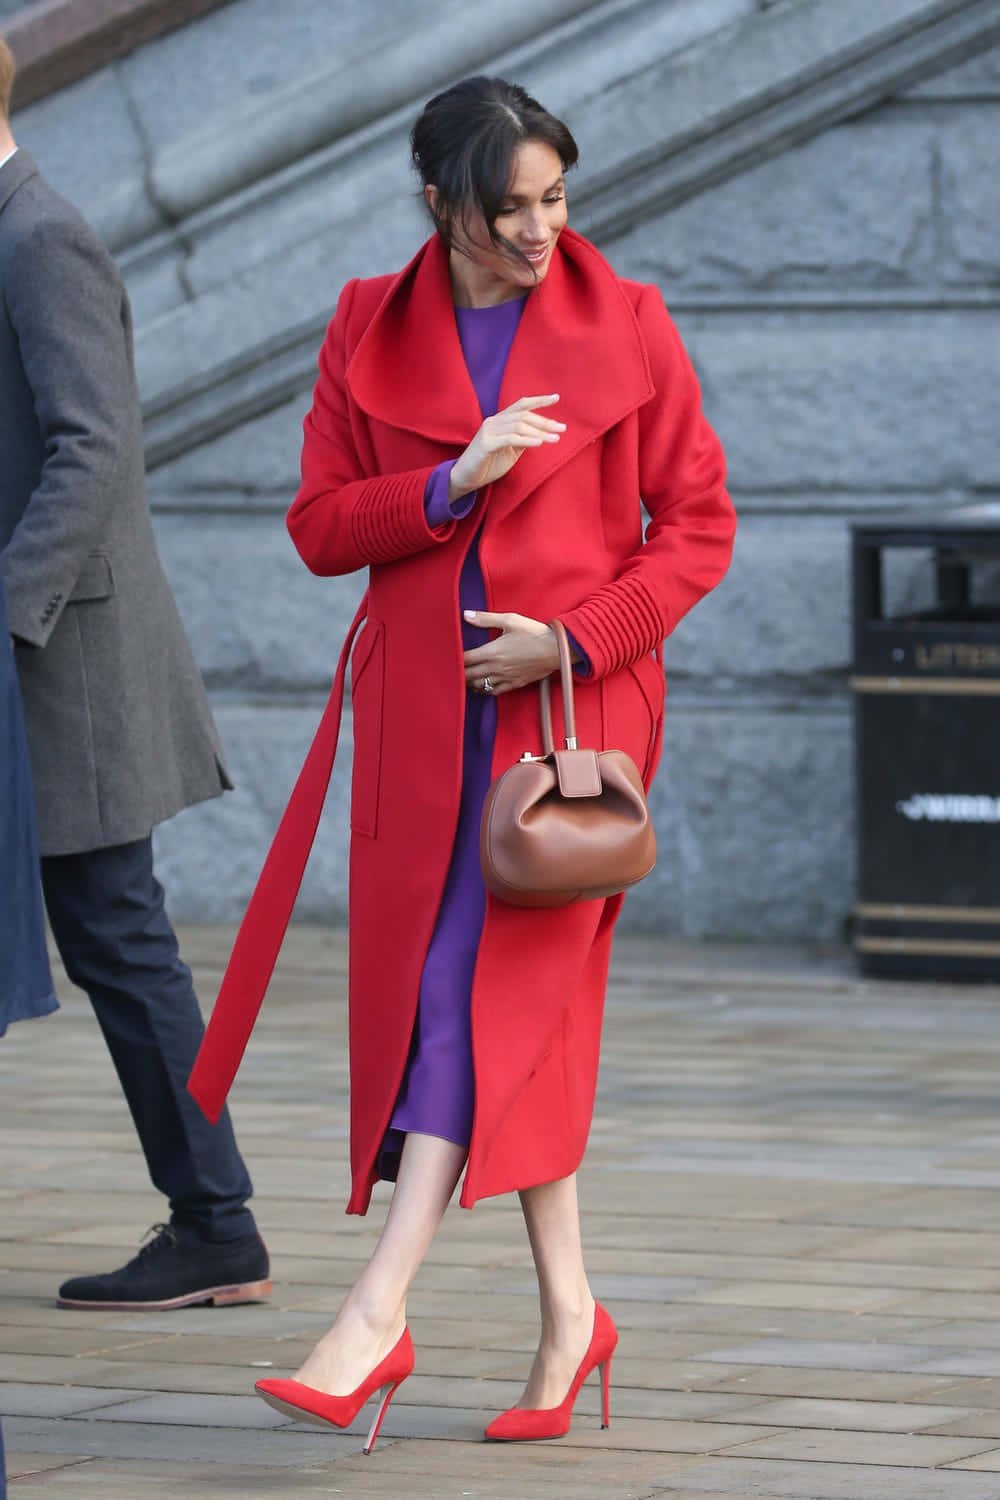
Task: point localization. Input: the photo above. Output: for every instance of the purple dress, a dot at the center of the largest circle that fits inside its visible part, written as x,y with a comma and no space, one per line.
437,1094
438,1091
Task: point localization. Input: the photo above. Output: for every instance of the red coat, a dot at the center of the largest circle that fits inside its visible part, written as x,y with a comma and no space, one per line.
561,535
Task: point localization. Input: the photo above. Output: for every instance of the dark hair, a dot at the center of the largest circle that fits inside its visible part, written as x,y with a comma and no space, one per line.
465,143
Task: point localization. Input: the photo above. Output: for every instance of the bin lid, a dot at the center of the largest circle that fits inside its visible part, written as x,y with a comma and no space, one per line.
968,526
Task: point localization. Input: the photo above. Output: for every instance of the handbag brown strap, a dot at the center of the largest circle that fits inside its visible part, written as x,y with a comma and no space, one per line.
545,692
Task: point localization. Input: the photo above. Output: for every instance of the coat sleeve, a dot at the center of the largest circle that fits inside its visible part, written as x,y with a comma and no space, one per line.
689,539
65,303
341,519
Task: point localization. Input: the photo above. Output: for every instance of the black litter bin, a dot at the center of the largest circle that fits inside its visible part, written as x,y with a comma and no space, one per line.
927,730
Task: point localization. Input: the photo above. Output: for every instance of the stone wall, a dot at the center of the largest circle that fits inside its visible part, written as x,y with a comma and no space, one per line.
840,304
834,273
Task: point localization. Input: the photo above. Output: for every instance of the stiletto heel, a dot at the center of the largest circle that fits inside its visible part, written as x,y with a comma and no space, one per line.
518,1425
293,1399
387,1394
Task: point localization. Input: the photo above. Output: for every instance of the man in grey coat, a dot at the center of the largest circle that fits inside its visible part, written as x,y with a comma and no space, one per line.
119,728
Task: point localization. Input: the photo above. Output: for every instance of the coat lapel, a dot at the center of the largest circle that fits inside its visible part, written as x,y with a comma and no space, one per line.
408,369
578,335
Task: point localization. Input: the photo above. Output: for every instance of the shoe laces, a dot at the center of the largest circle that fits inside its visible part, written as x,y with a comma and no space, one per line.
166,1238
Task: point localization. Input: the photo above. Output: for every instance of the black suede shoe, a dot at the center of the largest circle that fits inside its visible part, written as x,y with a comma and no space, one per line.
177,1270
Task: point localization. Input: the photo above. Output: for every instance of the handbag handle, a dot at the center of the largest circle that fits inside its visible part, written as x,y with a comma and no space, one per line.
545,692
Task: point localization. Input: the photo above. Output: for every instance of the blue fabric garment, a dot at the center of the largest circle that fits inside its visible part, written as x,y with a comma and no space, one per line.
25,978
114,936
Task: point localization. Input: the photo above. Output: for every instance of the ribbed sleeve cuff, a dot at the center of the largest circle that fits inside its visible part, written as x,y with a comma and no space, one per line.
617,625
389,520
437,508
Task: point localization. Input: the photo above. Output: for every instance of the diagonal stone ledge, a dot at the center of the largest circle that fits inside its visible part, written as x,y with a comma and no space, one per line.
796,70
225,398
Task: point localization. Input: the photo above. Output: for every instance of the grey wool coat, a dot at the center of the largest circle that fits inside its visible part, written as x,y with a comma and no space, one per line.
119,728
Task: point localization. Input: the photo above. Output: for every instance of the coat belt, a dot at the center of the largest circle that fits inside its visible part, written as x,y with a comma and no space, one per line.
265,922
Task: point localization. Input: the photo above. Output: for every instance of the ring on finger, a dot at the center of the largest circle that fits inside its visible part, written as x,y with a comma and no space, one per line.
487,685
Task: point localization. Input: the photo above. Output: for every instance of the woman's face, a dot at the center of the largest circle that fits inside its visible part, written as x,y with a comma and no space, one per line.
531,217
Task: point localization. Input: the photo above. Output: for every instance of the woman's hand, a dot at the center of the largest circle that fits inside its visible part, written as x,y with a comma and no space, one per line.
525,652
499,443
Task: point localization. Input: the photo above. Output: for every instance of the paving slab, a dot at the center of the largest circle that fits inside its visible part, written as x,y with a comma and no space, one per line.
867,1416
988,1462
790,1480
912,1450
787,1207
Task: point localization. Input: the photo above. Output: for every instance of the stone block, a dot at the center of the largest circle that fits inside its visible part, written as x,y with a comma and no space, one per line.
850,400
815,216
970,190
783,610
977,79
155,280
257,619
367,186
259,458
255,314
209,857
86,143
754,816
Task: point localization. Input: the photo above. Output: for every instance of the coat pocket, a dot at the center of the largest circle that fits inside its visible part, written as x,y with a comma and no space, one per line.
95,580
367,688
648,675
633,712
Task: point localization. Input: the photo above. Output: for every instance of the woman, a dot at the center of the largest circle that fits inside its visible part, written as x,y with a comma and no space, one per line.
483,427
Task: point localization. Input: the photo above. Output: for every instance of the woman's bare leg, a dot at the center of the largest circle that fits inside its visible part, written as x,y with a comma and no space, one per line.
374,1311
552,1215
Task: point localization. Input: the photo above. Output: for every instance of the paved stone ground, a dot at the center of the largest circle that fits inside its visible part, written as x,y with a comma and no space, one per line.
791,1211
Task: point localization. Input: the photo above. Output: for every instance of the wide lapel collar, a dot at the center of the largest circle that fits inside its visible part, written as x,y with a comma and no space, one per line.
408,369
14,173
580,337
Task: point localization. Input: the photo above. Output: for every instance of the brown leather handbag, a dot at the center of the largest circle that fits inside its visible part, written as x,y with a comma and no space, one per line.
567,825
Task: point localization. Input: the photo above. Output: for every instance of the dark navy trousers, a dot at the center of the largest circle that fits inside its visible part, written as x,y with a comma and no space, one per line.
110,925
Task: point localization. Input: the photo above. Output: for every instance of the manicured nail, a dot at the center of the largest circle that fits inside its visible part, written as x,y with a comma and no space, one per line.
470,614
